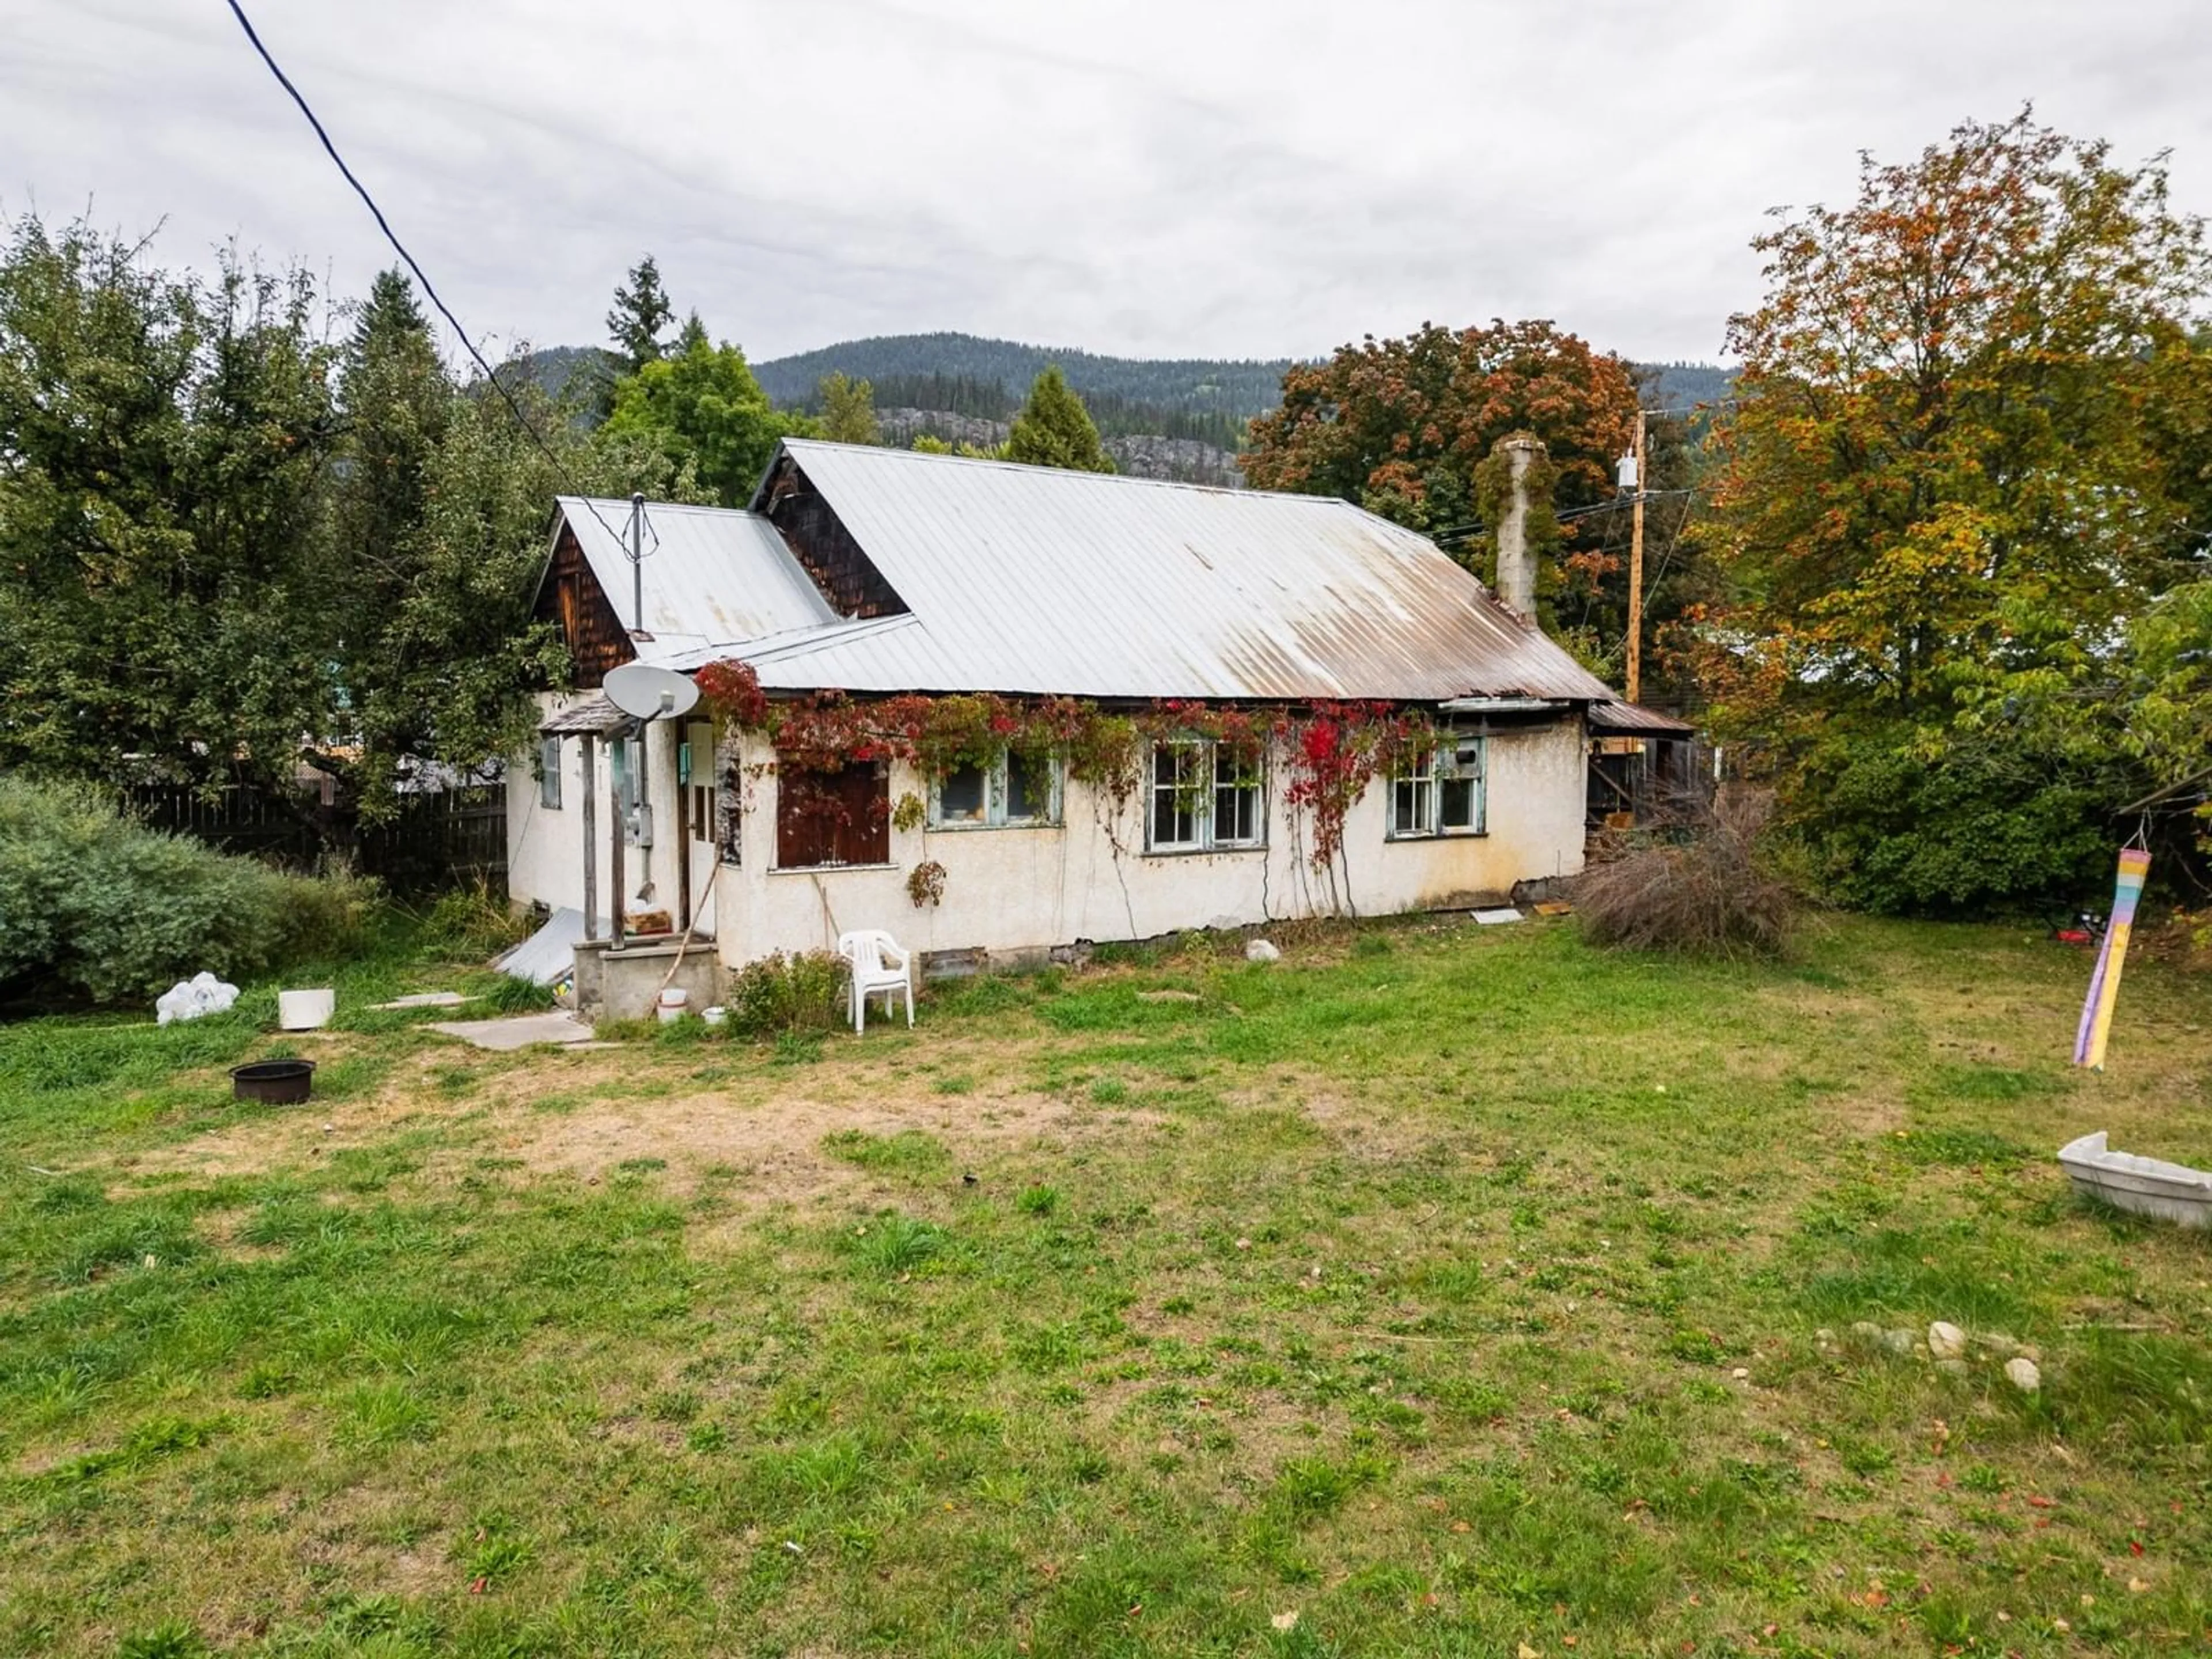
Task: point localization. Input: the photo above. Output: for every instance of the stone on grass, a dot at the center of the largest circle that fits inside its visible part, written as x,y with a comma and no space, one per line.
1946,1341
1260,950
1954,1367
1898,1341
1866,1330
2024,1374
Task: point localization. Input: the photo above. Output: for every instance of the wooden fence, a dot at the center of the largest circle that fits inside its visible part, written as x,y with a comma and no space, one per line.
439,837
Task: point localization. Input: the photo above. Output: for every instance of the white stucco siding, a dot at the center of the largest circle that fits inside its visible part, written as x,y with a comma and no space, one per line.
545,846
1012,891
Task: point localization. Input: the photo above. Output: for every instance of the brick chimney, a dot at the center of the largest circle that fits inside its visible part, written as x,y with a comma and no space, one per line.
1516,567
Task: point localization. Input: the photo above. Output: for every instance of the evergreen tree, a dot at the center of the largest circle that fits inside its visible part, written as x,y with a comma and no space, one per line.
640,312
396,396
1054,429
848,410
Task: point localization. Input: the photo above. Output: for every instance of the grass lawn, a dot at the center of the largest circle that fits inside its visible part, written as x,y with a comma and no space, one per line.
1437,1291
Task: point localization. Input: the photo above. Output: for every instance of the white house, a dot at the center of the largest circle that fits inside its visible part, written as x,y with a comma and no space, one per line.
880,571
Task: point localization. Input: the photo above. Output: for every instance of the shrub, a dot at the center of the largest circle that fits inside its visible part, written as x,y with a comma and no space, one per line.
1972,829
93,903
471,922
1702,891
780,993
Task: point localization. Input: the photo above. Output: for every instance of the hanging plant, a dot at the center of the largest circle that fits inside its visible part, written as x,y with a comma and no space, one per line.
909,813
925,883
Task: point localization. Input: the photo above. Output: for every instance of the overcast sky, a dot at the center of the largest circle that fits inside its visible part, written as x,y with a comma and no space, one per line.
1200,178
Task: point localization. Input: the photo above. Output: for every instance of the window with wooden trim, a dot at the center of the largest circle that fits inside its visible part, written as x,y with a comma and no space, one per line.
1442,792
1202,796
549,774
1012,791
825,819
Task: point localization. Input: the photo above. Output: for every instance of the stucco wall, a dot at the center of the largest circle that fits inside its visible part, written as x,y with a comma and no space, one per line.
1020,890
544,847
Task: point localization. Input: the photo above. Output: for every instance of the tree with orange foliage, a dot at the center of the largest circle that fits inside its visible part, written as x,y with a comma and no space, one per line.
1971,452
1400,427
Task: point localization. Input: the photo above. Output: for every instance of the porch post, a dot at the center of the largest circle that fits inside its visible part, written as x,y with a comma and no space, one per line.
679,772
591,840
615,855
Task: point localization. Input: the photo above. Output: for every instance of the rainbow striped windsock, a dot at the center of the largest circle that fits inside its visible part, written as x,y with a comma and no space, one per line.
2105,983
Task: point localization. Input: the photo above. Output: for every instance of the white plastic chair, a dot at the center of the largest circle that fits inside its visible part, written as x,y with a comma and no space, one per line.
878,965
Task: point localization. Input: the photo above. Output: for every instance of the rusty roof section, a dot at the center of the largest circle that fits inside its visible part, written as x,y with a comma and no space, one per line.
1032,580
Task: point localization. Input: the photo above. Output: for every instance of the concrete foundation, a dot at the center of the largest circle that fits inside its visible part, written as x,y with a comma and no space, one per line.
624,984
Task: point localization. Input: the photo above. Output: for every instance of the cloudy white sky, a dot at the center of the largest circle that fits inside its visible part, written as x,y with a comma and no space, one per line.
1155,177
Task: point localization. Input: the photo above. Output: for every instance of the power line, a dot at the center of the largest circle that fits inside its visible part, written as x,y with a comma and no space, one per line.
1618,503
421,275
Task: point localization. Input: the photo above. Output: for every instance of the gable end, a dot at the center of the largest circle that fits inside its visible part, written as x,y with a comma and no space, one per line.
571,599
817,538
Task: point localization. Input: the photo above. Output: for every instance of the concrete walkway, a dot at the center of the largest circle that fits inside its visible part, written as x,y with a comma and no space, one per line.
520,1031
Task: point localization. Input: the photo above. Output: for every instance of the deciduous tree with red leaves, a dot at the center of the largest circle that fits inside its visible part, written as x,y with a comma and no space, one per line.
1402,426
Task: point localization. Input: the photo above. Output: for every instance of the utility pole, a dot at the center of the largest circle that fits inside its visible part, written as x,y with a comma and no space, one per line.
1636,572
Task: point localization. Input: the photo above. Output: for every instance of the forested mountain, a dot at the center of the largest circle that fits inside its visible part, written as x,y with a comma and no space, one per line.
1167,417
574,374
1683,386
1197,386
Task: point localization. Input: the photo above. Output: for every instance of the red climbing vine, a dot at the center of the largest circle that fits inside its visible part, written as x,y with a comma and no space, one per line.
1333,750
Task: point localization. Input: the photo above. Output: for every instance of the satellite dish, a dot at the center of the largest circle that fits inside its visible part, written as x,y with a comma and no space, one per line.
645,693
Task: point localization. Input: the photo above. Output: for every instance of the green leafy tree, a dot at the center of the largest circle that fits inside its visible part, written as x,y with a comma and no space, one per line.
848,410
1054,429
702,407
1960,497
641,311
164,450
928,443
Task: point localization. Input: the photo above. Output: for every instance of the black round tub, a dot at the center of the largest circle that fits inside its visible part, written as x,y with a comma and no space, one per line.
275,1082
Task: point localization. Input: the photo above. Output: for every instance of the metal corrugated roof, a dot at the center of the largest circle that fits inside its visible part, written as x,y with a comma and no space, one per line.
1027,579
712,577
1614,715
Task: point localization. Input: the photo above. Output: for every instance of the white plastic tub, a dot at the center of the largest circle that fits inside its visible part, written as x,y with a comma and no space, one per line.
673,1005
2146,1186
303,1010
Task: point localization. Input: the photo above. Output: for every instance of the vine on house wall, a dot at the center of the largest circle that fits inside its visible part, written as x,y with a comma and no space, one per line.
1333,750
925,883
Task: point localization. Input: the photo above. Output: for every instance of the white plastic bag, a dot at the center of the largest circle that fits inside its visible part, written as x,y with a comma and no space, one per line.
188,998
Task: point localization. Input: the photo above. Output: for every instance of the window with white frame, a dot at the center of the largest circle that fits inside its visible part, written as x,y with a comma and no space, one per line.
549,774
1012,791
1237,818
1201,795
1441,793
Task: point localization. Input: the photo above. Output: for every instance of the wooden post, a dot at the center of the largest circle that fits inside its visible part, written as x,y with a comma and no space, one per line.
682,832
1635,676
591,839
615,854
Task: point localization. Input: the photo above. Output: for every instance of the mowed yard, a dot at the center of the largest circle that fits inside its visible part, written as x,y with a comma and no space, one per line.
1437,1291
